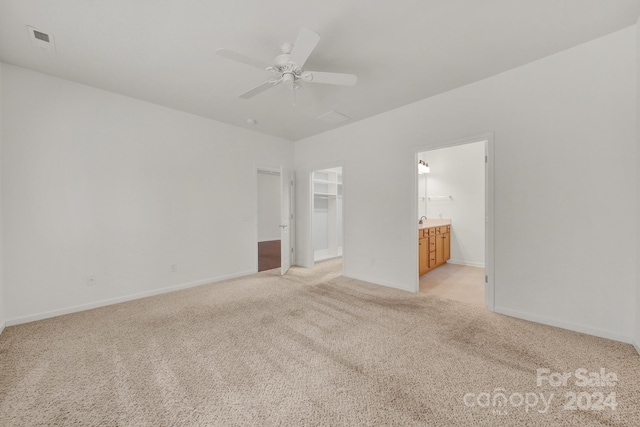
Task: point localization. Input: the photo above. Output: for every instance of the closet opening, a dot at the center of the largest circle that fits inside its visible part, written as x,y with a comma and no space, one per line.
327,232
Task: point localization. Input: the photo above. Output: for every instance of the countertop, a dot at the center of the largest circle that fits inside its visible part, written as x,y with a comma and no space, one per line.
433,223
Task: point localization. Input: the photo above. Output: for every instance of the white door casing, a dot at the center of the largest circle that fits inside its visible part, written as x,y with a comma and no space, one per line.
286,182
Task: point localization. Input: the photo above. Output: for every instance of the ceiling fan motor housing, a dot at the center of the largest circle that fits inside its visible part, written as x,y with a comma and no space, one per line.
286,70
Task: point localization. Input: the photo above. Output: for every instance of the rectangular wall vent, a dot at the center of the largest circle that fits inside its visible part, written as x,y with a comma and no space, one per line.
41,39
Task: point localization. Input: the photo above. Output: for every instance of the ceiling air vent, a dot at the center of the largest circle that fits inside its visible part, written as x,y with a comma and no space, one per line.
41,36
333,117
41,39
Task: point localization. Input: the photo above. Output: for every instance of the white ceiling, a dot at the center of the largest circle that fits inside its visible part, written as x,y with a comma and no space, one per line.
402,51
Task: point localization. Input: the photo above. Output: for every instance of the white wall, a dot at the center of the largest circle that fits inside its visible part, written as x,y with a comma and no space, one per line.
96,183
268,207
560,257
2,304
637,308
459,172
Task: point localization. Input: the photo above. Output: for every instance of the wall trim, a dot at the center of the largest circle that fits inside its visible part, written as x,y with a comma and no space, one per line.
575,327
117,300
467,263
2,325
637,347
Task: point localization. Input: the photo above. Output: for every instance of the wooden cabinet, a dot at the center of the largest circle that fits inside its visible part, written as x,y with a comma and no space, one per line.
423,250
432,261
434,247
439,249
447,246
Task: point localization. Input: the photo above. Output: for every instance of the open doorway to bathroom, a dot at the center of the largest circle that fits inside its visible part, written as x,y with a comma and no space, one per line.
327,235
452,198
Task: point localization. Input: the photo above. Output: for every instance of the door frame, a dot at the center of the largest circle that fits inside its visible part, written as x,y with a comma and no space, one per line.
327,165
287,179
489,238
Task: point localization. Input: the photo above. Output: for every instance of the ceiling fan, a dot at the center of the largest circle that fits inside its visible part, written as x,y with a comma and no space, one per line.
287,66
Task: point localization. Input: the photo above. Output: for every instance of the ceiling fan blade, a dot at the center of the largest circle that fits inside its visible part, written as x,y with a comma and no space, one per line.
235,56
304,45
260,88
330,78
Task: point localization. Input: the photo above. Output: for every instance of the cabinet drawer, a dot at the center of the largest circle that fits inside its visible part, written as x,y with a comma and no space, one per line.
443,229
432,244
432,260
432,231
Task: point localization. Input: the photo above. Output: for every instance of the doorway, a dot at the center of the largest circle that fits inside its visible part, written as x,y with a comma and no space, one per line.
275,219
327,212
453,206
269,239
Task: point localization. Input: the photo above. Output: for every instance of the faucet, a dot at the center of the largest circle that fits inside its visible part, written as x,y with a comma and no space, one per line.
425,218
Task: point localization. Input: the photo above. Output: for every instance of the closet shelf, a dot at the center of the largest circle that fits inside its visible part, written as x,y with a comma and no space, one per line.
324,181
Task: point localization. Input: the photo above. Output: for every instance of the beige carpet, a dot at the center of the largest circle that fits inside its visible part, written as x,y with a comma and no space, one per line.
311,348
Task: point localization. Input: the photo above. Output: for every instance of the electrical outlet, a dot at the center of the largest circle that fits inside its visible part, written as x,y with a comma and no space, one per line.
174,268
91,280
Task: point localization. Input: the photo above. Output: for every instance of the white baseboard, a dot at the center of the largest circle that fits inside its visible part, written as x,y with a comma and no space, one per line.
637,347
376,282
116,300
2,325
467,263
602,333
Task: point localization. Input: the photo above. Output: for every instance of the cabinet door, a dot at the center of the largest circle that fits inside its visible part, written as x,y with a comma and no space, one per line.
447,246
440,249
423,250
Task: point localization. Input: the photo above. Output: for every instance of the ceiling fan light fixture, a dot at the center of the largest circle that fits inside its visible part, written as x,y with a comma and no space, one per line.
288,78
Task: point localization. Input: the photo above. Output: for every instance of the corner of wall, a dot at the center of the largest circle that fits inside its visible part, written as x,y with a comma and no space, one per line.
636,338
2,304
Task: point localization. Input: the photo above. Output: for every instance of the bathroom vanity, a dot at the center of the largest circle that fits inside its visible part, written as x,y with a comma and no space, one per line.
434,248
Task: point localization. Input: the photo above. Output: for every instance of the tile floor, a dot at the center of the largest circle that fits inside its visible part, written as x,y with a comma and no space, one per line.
457,282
